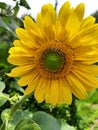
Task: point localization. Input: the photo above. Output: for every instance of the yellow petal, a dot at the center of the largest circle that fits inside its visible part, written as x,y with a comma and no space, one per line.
21,51
90,82
91,69
40,23
52,92
34,30
89,32
40,90
77,88
20,71
73,24
65,92
64,13
46,21
30,24
25,79
26,38
80,11
30,89
20,60
87,54
90,59
74,20
33,82
85,37
18,43
87,22
49,14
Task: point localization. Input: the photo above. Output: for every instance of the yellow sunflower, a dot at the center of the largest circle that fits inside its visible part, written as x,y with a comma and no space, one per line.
55,56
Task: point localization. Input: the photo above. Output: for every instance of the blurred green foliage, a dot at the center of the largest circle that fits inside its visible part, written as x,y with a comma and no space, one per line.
81,114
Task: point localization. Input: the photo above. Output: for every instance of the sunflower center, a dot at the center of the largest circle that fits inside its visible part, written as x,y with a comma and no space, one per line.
53,60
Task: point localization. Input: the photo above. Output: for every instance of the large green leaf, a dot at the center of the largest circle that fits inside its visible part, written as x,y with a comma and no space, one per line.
18,116
46,121
67,127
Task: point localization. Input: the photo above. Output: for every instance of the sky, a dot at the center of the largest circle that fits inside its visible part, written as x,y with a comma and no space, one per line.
90,5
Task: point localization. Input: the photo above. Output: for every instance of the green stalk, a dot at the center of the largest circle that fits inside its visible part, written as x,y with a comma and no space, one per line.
73,113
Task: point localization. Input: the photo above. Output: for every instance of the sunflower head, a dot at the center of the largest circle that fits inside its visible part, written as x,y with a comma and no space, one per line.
55,56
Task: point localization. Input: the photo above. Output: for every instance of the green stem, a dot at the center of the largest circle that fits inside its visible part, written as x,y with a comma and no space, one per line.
73,112
12,111
3,126
17,105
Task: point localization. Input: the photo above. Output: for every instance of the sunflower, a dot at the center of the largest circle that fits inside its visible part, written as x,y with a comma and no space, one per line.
55,56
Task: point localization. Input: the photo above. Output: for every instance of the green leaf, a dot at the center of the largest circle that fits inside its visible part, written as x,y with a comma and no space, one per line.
4,47
16,9
2,5
16,86
67,127
46,121
5,114
27,124
3,97
25,4
2,86
18,116
9,27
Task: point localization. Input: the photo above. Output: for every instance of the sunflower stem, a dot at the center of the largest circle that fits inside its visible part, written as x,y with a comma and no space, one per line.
73,112
12,112
17,105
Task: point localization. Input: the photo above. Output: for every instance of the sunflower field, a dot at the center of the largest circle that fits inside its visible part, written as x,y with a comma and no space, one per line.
48,68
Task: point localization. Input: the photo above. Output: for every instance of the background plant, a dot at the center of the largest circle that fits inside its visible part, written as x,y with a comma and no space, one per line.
81,115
